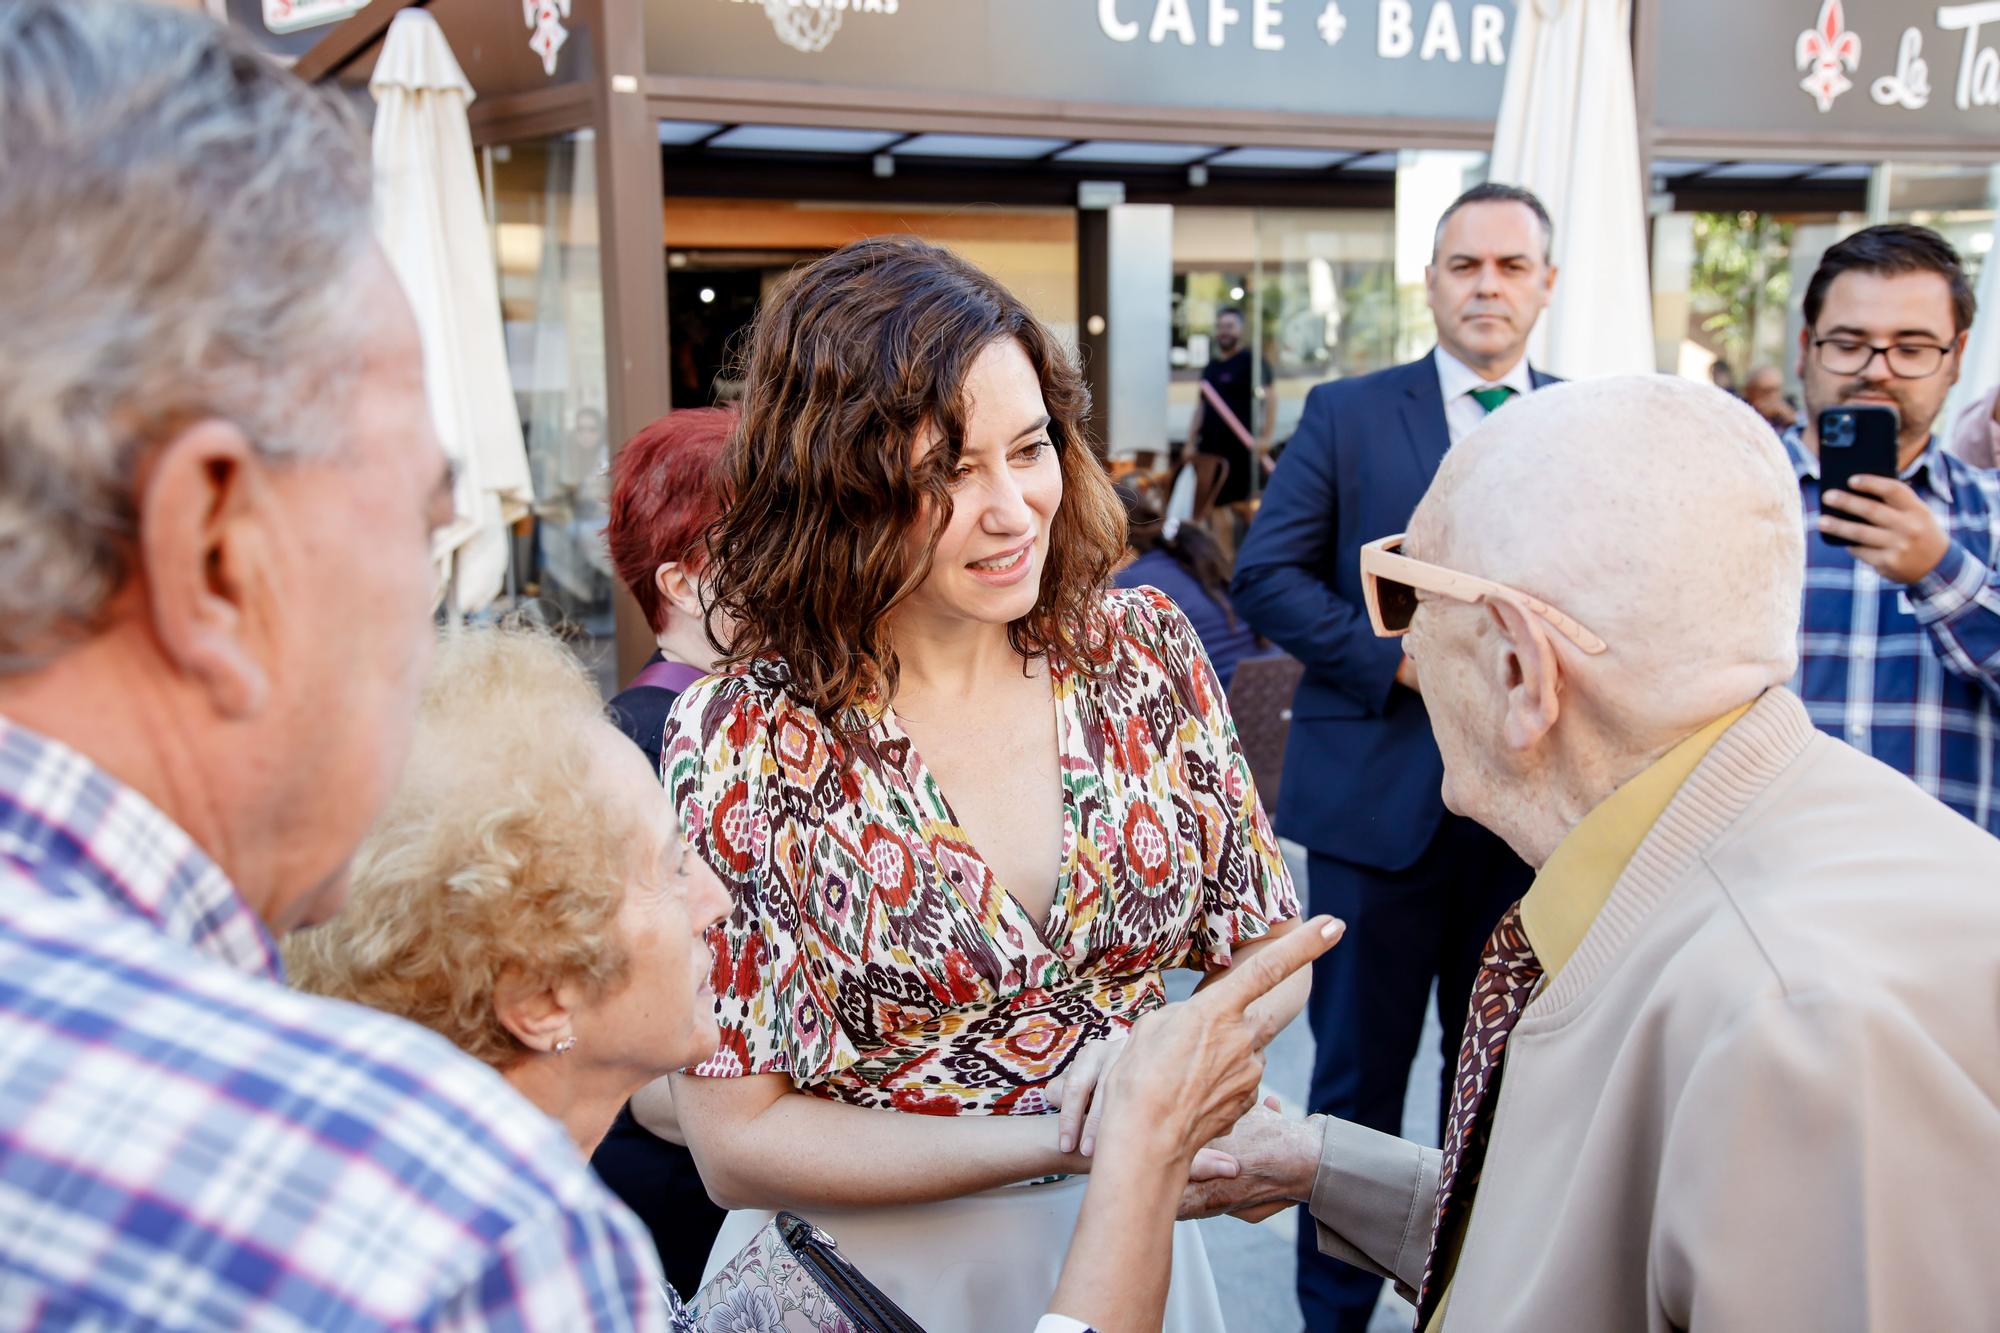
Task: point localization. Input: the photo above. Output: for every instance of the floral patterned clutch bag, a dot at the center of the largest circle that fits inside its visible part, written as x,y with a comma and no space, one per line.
791,1279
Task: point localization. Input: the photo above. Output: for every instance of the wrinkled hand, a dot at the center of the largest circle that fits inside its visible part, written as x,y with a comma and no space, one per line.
1276,1160
1075,1093
1891,528
1191,1069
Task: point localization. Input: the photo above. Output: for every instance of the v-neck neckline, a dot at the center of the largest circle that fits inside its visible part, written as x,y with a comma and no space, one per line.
1051,932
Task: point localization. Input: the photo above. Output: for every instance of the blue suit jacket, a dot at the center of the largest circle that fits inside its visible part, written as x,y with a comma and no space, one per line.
1362,773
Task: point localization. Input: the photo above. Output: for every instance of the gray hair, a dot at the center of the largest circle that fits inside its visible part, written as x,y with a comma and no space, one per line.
182,218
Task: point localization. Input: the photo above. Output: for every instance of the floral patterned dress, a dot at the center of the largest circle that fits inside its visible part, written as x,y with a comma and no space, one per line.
873,957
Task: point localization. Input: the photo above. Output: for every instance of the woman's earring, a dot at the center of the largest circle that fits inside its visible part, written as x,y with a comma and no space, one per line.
563,1047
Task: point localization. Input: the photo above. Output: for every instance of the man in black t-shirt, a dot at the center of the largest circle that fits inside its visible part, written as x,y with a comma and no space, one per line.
1211,430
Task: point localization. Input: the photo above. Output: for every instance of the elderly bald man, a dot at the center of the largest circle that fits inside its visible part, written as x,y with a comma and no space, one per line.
1734,1060
218,488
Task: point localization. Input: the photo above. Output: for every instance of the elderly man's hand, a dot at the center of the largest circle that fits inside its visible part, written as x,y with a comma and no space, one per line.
1276,1160
1892,528
1191,1069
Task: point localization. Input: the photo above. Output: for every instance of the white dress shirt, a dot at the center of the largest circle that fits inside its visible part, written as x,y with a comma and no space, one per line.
1457,381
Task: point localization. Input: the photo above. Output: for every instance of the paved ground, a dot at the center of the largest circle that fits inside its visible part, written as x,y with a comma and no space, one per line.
1255,1266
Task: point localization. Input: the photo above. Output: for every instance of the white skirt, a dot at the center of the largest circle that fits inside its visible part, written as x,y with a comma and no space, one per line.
987,1263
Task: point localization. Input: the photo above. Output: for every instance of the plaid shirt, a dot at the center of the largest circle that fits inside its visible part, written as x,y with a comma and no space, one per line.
186,1144
1911,674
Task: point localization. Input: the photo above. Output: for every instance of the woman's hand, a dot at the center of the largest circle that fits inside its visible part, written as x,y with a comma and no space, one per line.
1075,1093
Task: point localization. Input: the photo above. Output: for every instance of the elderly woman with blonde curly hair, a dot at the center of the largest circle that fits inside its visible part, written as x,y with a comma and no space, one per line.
527,893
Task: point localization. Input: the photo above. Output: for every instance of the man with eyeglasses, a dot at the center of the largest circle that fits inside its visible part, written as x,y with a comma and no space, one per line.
1900,639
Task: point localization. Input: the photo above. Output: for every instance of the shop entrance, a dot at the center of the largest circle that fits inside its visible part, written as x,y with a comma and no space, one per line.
711,300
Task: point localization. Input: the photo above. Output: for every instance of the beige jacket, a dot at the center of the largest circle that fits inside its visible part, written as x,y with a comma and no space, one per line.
1763,1094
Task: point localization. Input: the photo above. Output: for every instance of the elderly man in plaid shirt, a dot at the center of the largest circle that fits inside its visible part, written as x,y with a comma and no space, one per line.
1900,643
218,485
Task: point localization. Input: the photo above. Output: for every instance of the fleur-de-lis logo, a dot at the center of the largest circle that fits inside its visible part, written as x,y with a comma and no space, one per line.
1823,49
546,18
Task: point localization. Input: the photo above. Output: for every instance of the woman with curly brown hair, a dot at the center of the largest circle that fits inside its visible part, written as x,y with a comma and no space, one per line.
968,803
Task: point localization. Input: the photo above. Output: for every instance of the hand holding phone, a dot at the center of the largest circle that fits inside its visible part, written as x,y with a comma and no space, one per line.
1855,440
1883,519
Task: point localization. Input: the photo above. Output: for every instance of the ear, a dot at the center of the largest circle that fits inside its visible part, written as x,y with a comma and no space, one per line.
1549,284
1533,675
539,1015
678,586
1805,350
207,512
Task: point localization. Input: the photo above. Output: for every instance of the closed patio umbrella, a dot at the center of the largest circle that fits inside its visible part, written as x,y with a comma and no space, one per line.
1568,130
430,220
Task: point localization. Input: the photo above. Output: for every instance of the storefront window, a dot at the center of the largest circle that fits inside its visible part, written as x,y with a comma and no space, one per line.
726,256
1962,202
1317,291
1728,287
1956,199
542,198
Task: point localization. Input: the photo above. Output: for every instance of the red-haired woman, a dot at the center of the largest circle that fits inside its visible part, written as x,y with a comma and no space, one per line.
663,498
969,803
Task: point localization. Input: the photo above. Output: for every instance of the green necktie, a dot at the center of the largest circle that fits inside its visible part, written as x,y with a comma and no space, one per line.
1493,395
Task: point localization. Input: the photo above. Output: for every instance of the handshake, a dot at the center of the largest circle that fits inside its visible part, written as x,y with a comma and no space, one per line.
1185,1083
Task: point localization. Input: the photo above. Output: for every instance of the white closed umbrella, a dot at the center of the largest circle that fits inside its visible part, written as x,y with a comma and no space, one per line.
1569,131
430,220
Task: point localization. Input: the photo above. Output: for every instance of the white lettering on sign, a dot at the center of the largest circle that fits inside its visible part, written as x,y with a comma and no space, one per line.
1172,16
1393,34
1220,16
1978,66
1175,18
1266,15
1483,36
1396,33
1910,85
1489,22
1441,34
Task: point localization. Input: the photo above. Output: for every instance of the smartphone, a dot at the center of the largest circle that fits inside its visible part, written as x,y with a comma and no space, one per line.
1856,440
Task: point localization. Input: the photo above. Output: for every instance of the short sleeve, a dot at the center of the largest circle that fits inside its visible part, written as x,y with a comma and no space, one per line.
735,802
1246,887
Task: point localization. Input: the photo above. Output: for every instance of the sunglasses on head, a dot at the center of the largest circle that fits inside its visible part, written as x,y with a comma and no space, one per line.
1390,582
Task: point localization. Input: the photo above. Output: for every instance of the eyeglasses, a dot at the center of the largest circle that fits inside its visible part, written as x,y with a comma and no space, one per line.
1390,583
1906,361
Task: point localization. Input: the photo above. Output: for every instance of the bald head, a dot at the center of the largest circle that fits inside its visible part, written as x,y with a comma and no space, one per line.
1661,513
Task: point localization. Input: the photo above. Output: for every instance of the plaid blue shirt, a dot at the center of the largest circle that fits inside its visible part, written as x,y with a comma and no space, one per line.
186,1144
1911,674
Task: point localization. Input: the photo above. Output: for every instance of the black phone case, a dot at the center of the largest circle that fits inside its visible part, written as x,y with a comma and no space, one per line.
1870,450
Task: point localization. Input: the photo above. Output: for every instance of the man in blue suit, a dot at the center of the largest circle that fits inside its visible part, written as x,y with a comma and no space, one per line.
1419,888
